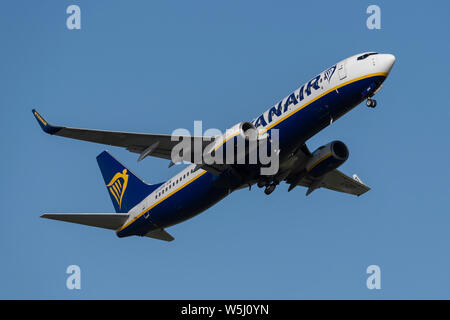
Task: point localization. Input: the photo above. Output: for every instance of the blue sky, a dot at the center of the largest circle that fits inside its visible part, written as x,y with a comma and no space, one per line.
153,66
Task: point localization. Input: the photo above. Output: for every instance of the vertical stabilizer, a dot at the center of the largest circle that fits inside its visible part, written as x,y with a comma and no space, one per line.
124,187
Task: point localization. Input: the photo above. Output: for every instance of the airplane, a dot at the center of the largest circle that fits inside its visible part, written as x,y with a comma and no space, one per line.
144,209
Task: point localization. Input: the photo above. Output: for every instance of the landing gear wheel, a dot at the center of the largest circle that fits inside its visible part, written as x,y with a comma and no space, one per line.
371,103
269,189
261,184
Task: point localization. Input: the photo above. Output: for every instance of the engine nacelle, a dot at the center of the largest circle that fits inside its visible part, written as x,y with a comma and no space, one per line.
327,158
235,144
247,130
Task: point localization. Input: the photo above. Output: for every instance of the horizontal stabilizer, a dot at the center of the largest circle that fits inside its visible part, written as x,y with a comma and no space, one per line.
111,221
160,234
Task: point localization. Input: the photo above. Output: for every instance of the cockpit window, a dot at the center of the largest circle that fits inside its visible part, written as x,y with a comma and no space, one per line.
366,55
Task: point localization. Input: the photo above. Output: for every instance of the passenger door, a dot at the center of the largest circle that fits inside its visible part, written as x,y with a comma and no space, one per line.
341,70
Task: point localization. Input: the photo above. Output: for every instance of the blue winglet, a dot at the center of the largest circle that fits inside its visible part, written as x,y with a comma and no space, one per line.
47,127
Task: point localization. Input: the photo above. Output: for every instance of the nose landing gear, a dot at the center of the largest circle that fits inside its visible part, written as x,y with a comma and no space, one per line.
371,103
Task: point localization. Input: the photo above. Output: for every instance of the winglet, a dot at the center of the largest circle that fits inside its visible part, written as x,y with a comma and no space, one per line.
47,127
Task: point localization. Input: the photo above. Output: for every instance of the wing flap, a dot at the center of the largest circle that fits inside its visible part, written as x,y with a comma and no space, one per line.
112,221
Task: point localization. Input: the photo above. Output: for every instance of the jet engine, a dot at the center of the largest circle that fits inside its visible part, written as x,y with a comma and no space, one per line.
246,130
235,145
327,158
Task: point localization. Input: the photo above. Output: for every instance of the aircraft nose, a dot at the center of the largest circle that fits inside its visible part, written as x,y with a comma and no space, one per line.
386,62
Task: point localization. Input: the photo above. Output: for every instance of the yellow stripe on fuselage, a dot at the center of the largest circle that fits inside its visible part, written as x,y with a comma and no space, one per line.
221,144
158,202
320,96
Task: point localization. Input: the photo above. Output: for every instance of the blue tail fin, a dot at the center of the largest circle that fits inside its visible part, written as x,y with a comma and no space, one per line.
125,189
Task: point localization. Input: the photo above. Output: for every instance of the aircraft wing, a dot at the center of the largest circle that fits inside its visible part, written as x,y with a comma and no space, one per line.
337,181
156,145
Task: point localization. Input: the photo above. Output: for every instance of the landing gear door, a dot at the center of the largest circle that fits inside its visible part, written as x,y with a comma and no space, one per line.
341,70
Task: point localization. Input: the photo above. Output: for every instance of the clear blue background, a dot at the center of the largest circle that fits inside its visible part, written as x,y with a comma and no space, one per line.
154,66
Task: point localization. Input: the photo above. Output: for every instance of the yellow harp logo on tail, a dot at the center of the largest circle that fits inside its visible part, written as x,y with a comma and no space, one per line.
118,185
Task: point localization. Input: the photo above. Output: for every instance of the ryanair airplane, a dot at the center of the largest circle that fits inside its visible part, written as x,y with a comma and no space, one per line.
147,209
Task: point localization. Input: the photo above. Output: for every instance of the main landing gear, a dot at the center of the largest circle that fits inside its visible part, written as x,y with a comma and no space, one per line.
371,103
270,187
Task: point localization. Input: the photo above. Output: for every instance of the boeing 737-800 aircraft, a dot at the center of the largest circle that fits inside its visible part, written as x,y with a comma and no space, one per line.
145,210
